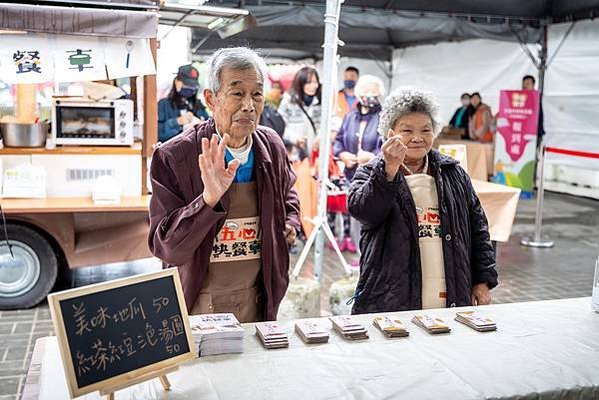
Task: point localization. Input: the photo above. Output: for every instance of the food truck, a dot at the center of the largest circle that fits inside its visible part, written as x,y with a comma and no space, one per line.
74,169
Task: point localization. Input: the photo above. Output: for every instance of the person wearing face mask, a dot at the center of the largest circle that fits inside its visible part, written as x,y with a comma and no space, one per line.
425,237
358,141
346,98
301,110
462,115
181,107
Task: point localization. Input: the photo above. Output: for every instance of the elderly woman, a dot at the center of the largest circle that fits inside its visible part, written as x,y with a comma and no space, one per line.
425,239
358,140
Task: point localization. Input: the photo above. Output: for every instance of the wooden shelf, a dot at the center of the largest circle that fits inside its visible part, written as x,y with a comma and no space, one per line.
53,205
73,150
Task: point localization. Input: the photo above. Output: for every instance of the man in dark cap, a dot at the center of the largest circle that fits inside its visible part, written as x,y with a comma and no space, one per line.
181,108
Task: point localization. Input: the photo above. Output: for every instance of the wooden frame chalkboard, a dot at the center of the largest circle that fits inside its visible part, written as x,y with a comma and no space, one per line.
105,340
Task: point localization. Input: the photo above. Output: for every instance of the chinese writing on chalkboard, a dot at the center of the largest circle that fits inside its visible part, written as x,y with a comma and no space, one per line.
109,332
104,352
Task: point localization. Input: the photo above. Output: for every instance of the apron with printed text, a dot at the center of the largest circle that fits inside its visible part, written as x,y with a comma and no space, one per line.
424,192
234,280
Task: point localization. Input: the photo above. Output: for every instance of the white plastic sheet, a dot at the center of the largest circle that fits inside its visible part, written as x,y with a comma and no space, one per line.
451,68
541,350
571,98
571,93
128,57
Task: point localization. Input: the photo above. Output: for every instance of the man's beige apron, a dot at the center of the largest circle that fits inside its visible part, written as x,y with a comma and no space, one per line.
233,283
424,192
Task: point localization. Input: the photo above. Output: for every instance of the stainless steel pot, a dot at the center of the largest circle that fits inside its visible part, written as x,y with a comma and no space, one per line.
24,135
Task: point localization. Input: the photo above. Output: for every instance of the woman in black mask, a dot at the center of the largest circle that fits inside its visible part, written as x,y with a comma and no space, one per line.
181,107
358,140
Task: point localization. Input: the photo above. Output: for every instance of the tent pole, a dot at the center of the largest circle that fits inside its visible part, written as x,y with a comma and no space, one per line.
543,63
542,67
561,43
330,67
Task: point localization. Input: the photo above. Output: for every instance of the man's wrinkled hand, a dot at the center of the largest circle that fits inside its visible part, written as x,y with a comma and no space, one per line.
216,176
290,235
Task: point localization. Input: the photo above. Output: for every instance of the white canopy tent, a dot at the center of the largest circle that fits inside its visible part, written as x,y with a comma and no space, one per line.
451,47
571,92
571,98
449,69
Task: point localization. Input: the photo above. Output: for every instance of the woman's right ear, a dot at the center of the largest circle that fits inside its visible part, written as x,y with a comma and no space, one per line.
390,133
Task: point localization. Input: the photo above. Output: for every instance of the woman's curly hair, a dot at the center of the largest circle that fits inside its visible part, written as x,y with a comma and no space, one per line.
406,100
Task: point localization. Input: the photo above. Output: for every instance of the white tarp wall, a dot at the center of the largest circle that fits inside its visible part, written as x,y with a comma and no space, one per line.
452,68
173,52
571,98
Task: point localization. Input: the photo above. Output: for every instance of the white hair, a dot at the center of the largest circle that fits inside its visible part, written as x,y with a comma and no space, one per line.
236,58
406,100
366,80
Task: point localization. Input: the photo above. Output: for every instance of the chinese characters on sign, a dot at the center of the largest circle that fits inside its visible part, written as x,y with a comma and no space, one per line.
80,59
27,61
518,120
111,331
516,141
102,315
41,58
121,329
239,239
104,353
429,222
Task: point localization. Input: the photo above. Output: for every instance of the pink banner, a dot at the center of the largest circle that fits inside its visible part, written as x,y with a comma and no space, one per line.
518,120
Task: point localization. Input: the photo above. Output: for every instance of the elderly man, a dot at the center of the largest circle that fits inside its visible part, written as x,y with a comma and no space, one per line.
223,208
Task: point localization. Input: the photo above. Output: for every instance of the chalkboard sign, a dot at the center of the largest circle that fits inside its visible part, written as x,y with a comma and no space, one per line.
118,330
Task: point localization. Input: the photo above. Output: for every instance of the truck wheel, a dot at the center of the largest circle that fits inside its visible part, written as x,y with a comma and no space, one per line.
26,279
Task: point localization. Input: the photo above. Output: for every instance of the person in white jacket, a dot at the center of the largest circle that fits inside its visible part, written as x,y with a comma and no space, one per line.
301,110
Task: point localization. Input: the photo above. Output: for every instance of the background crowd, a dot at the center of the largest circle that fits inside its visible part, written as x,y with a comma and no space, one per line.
295,114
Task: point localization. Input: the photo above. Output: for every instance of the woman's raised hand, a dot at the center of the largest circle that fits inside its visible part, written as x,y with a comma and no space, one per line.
394,152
